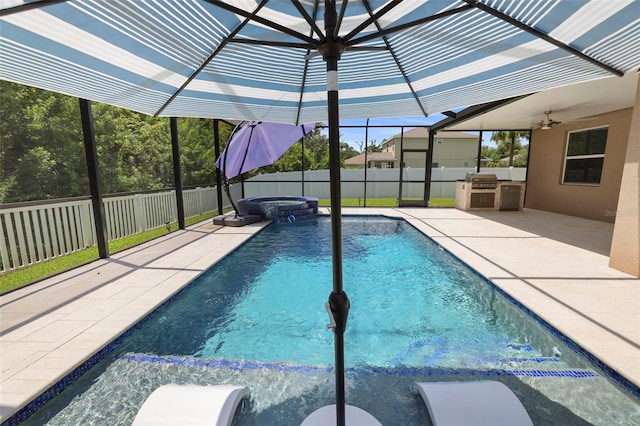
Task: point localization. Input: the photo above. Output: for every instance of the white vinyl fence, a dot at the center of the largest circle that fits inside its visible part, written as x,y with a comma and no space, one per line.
40,232
381,183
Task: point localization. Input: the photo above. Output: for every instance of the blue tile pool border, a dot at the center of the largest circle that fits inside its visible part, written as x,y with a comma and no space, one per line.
55,390
616,377
239,365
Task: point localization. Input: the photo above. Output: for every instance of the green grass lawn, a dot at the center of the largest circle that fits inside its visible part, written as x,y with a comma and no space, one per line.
385,202
30,274
15,279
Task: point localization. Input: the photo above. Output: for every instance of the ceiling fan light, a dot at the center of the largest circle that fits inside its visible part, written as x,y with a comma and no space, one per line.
545,126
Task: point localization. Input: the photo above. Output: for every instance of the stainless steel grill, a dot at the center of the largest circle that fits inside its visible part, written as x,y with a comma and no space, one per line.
482,180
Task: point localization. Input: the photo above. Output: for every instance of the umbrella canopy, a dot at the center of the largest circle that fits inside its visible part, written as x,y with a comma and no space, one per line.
259,144
278,61
258,60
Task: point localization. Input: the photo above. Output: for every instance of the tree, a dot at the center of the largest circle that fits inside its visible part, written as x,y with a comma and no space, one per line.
197,149
134,150
374,146
41,145
492,154
316,155
509,142
346,151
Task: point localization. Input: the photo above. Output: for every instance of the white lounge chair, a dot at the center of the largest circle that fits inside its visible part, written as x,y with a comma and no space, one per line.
190,405
473,403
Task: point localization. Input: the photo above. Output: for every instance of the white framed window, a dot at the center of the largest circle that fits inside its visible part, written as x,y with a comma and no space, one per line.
584,156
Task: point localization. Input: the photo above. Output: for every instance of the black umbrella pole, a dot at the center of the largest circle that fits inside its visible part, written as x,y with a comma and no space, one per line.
338,301
331,50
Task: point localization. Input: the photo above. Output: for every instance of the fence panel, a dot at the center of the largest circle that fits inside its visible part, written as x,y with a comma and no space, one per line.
160,209
192,203
209,197
199,201
36,233
128,215
381,183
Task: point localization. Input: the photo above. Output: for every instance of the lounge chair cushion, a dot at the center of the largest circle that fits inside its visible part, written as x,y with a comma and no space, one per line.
190,405
473,403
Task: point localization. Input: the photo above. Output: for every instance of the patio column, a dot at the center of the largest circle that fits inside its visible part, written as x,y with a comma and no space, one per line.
625,245
429,166
177,171
216,147
99,218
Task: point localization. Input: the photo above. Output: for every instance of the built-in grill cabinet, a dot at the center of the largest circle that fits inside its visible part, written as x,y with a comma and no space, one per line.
483,191
482,180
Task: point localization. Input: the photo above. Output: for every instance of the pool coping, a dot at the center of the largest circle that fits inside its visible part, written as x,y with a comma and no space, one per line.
435,223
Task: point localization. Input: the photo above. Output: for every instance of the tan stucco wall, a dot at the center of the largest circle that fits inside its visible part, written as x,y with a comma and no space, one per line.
545,190
625,245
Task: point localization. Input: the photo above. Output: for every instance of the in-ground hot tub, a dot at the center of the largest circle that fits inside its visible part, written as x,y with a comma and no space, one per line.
280,208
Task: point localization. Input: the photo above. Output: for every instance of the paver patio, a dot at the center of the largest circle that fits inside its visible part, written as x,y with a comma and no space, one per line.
555,265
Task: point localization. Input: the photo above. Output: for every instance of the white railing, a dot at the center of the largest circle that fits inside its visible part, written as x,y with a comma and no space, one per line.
381,183
36,233
39,232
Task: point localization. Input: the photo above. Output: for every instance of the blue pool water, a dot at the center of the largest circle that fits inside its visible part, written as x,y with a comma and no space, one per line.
418,314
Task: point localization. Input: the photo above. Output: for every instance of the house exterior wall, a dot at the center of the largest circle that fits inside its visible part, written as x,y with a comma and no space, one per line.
451,152
455,152
545,190
625,244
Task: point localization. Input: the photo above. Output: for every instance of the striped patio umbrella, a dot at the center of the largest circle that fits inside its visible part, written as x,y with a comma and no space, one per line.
262,60
277,61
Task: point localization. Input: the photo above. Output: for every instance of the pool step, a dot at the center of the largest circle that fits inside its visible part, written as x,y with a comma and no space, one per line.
280,209
186,361
537,360
520,347
292,215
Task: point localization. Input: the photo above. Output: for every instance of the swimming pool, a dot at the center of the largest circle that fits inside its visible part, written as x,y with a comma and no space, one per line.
257,318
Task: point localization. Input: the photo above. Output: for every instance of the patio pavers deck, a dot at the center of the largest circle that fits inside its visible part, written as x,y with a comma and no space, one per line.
555,265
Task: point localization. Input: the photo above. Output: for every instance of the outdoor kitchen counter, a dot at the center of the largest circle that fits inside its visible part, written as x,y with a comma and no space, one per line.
507,195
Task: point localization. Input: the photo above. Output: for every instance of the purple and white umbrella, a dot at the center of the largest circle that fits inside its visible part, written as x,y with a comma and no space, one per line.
259,144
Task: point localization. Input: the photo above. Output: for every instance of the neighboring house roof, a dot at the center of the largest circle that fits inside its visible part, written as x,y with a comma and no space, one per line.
358,160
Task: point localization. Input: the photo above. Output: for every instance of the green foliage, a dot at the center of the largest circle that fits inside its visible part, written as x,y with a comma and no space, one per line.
316,156
346,151
509,149
134,150
374,147
197,149
42,147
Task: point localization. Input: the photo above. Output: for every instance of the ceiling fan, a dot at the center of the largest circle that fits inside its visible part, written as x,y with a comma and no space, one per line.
549,122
